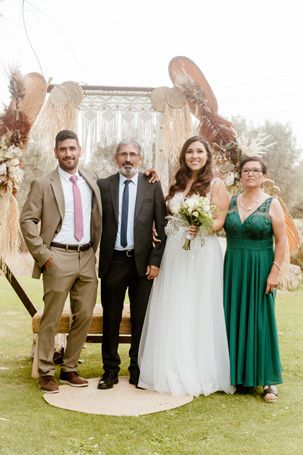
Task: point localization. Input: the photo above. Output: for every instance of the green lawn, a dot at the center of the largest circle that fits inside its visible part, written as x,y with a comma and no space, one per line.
217,424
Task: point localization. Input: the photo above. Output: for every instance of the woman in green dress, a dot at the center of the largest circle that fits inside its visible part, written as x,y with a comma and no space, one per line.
256,243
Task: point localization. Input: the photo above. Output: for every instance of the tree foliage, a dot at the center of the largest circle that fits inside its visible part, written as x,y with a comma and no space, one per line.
284,160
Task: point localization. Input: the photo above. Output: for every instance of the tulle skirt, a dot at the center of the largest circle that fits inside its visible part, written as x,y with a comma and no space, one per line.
183,347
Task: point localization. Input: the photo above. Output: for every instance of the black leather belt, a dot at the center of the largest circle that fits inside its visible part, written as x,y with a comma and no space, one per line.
123,253
84,247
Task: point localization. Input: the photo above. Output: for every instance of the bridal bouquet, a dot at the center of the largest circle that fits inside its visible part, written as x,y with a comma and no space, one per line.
193,211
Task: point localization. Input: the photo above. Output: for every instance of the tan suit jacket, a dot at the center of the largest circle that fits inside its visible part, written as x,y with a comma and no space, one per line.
43,213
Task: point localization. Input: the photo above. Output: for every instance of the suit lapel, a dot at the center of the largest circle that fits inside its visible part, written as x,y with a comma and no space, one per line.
140,195
114,193
58,191
91,181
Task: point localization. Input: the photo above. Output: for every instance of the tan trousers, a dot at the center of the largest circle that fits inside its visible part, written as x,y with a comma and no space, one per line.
72,273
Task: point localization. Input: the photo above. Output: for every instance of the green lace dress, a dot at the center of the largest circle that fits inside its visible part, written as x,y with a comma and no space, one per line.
249,312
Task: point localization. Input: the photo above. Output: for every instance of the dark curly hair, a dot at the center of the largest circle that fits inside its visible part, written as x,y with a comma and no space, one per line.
202,182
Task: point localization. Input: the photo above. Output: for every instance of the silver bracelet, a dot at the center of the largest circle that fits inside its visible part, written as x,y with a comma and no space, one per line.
274,262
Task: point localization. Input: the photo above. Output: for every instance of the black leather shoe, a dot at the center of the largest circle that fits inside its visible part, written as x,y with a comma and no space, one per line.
133,381
107,381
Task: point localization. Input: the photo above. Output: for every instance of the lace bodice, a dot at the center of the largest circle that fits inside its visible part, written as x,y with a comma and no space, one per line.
175,201
257,226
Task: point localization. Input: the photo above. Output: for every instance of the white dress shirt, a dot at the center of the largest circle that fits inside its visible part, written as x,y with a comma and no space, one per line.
132,188
66,234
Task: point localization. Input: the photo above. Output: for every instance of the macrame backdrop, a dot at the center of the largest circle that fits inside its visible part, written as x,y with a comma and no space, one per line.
102,117
108,115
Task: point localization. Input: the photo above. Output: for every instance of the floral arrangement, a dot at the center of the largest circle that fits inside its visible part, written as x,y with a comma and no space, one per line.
255,146
14,129
10,170
245,147
195,210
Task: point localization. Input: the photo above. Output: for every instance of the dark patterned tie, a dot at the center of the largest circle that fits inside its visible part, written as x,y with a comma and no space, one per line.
124,214
78,212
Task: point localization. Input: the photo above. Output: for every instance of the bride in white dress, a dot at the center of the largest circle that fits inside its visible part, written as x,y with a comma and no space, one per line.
183,348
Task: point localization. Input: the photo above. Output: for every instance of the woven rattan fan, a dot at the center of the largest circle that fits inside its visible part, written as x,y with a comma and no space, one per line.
75,92
158,98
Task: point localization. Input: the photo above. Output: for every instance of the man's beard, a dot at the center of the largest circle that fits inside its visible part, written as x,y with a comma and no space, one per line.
69,165
128,170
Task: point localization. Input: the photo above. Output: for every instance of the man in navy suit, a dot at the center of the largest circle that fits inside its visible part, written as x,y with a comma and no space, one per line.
128,260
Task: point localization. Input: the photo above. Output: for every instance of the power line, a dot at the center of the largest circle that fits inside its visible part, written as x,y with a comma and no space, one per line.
50,19
273,112
256,98
279,111
256,81
28,39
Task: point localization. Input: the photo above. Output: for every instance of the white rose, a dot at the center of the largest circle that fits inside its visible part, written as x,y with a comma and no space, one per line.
230,178
190,203
2,169
12,162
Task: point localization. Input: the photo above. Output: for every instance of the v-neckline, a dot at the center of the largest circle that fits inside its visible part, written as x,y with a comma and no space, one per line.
257,208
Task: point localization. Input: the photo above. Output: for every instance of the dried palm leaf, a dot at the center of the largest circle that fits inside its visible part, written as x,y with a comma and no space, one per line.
16,87
291,229
216,130
186,75
35,93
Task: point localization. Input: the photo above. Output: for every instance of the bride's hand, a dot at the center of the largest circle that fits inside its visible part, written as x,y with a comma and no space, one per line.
152,174
155,237
152,272
192,231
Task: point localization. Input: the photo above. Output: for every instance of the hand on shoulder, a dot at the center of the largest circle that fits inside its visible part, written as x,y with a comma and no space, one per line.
152,175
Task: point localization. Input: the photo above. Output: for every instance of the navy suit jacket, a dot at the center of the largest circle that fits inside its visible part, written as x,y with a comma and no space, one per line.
150,208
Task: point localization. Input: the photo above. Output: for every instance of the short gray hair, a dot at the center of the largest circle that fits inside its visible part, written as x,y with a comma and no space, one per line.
129,142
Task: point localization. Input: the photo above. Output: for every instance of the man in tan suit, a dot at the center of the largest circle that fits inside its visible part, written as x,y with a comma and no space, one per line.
61,225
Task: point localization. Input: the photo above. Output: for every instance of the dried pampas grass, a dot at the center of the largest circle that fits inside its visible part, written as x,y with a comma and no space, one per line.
176,127
58,113
9,223
51,120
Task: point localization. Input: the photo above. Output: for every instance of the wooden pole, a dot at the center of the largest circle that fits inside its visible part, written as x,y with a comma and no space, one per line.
18,289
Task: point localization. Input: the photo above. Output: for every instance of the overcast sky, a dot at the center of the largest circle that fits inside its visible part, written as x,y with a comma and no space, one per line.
249,51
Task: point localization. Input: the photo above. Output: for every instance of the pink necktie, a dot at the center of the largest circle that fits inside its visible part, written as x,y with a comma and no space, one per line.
78,213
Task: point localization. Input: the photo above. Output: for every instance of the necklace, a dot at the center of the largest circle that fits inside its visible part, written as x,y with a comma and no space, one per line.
251,206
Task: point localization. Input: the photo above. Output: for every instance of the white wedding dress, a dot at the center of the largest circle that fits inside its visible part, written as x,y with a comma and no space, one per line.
183,348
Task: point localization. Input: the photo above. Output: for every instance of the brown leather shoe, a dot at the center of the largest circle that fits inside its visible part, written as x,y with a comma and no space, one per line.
72,378
48,384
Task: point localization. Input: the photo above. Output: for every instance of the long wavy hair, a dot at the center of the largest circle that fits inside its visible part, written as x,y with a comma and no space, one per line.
204,177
